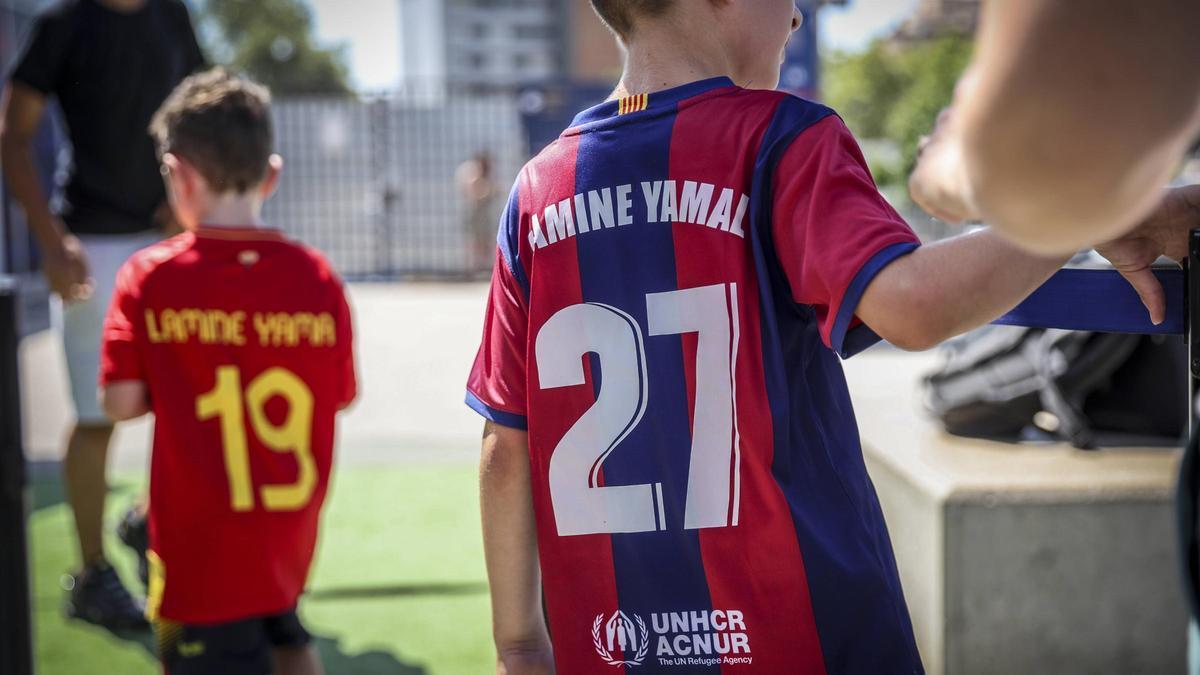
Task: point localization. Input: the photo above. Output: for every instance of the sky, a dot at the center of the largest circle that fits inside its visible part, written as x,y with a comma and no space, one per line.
369,29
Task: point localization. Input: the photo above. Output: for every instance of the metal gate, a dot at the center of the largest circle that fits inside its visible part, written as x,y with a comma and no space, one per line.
371,181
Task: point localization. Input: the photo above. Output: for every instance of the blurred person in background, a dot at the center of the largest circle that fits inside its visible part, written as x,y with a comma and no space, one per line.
240,342
109,64
479,189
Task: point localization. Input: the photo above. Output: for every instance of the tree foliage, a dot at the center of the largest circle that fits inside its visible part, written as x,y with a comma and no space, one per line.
895,92
272,42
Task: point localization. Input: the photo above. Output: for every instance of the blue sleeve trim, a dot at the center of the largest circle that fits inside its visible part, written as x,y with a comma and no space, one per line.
847,345
500,417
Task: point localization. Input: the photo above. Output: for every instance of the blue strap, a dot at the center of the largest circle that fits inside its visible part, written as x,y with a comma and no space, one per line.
1100,301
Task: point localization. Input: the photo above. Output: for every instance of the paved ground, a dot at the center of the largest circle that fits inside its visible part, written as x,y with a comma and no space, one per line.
415,345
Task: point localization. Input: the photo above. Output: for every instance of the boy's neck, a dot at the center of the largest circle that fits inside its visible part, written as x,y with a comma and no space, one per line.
662,56
234,210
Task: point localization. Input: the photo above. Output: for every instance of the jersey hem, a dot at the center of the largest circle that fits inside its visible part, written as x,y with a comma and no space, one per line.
846,342
500,417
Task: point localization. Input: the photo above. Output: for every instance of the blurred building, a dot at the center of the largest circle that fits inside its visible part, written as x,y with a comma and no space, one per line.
486,45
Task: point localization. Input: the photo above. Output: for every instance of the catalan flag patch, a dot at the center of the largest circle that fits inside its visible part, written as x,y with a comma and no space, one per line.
632,104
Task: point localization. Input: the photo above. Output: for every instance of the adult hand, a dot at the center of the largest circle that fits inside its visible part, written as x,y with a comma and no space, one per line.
66,270
939,183
1163,233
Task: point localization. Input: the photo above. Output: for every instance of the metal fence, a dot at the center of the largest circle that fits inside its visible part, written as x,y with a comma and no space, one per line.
372,182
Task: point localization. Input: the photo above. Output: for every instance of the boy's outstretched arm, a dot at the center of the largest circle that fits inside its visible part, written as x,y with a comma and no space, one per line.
510,547
950,287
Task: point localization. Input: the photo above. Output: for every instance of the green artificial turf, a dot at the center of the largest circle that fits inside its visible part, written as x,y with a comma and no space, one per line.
398,586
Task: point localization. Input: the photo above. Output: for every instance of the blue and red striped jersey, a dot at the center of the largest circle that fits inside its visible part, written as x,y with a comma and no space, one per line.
676,278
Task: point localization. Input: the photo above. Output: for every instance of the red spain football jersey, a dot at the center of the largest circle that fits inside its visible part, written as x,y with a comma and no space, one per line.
243,340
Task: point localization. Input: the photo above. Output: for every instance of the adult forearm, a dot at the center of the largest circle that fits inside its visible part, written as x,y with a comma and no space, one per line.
1063,191
1073,118
950,287
510,543
16,154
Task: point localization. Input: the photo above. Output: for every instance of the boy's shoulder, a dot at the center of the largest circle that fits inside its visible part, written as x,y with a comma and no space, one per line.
182,254
313,259
142,264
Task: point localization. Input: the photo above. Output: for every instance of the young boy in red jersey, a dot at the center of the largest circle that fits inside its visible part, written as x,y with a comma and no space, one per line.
670,455
240,342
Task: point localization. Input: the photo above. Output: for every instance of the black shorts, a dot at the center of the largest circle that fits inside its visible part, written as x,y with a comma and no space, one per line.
234,648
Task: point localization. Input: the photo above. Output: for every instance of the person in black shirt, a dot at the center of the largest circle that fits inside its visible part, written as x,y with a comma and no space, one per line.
109,64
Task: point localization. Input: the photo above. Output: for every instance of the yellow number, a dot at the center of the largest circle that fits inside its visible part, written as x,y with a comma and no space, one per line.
225,402
294,435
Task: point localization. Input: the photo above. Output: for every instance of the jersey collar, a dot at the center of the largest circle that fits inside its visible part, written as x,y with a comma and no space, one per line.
647,103
240,233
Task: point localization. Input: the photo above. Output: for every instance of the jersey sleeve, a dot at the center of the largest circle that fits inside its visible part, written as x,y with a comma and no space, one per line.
121,341
348,390
496,387
833,231
41,62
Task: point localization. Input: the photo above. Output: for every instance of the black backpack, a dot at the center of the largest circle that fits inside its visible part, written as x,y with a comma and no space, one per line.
1012,384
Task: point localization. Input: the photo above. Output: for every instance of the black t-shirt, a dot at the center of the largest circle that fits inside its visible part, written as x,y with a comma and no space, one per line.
110,71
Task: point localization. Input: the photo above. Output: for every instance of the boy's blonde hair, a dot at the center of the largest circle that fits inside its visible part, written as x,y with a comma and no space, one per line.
619,14
221,124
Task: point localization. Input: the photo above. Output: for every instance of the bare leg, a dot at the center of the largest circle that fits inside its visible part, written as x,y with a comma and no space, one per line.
84,475
298,661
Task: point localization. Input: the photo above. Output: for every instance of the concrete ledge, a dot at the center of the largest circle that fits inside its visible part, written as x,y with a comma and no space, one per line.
1022,558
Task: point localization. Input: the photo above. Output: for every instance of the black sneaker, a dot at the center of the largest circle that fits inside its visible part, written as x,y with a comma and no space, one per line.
97,596
134,532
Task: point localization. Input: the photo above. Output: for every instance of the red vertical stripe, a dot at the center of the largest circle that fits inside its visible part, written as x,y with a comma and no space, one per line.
755,567
578,571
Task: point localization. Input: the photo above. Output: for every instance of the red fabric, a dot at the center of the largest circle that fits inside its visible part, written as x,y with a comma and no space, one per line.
498,376
829,218
785,632
220,564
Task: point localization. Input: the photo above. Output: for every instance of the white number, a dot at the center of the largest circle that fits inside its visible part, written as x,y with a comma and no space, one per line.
581,504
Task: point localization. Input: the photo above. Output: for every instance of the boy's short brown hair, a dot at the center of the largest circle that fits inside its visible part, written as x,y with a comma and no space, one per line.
619,14
221,124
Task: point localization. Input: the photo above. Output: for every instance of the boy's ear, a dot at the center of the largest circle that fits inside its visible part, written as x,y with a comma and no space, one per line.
178,176
271,179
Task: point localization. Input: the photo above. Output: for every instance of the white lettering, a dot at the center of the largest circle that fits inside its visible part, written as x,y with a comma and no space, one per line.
736,227
736,622
721,212
660,622
652,191
601,208
559,222
536,238
718,620
694,203
624,204
741,643
679,622
721,643
670,212
581,214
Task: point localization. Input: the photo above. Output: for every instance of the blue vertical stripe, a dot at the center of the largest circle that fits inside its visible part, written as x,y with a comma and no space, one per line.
852,579
508,238
655,571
